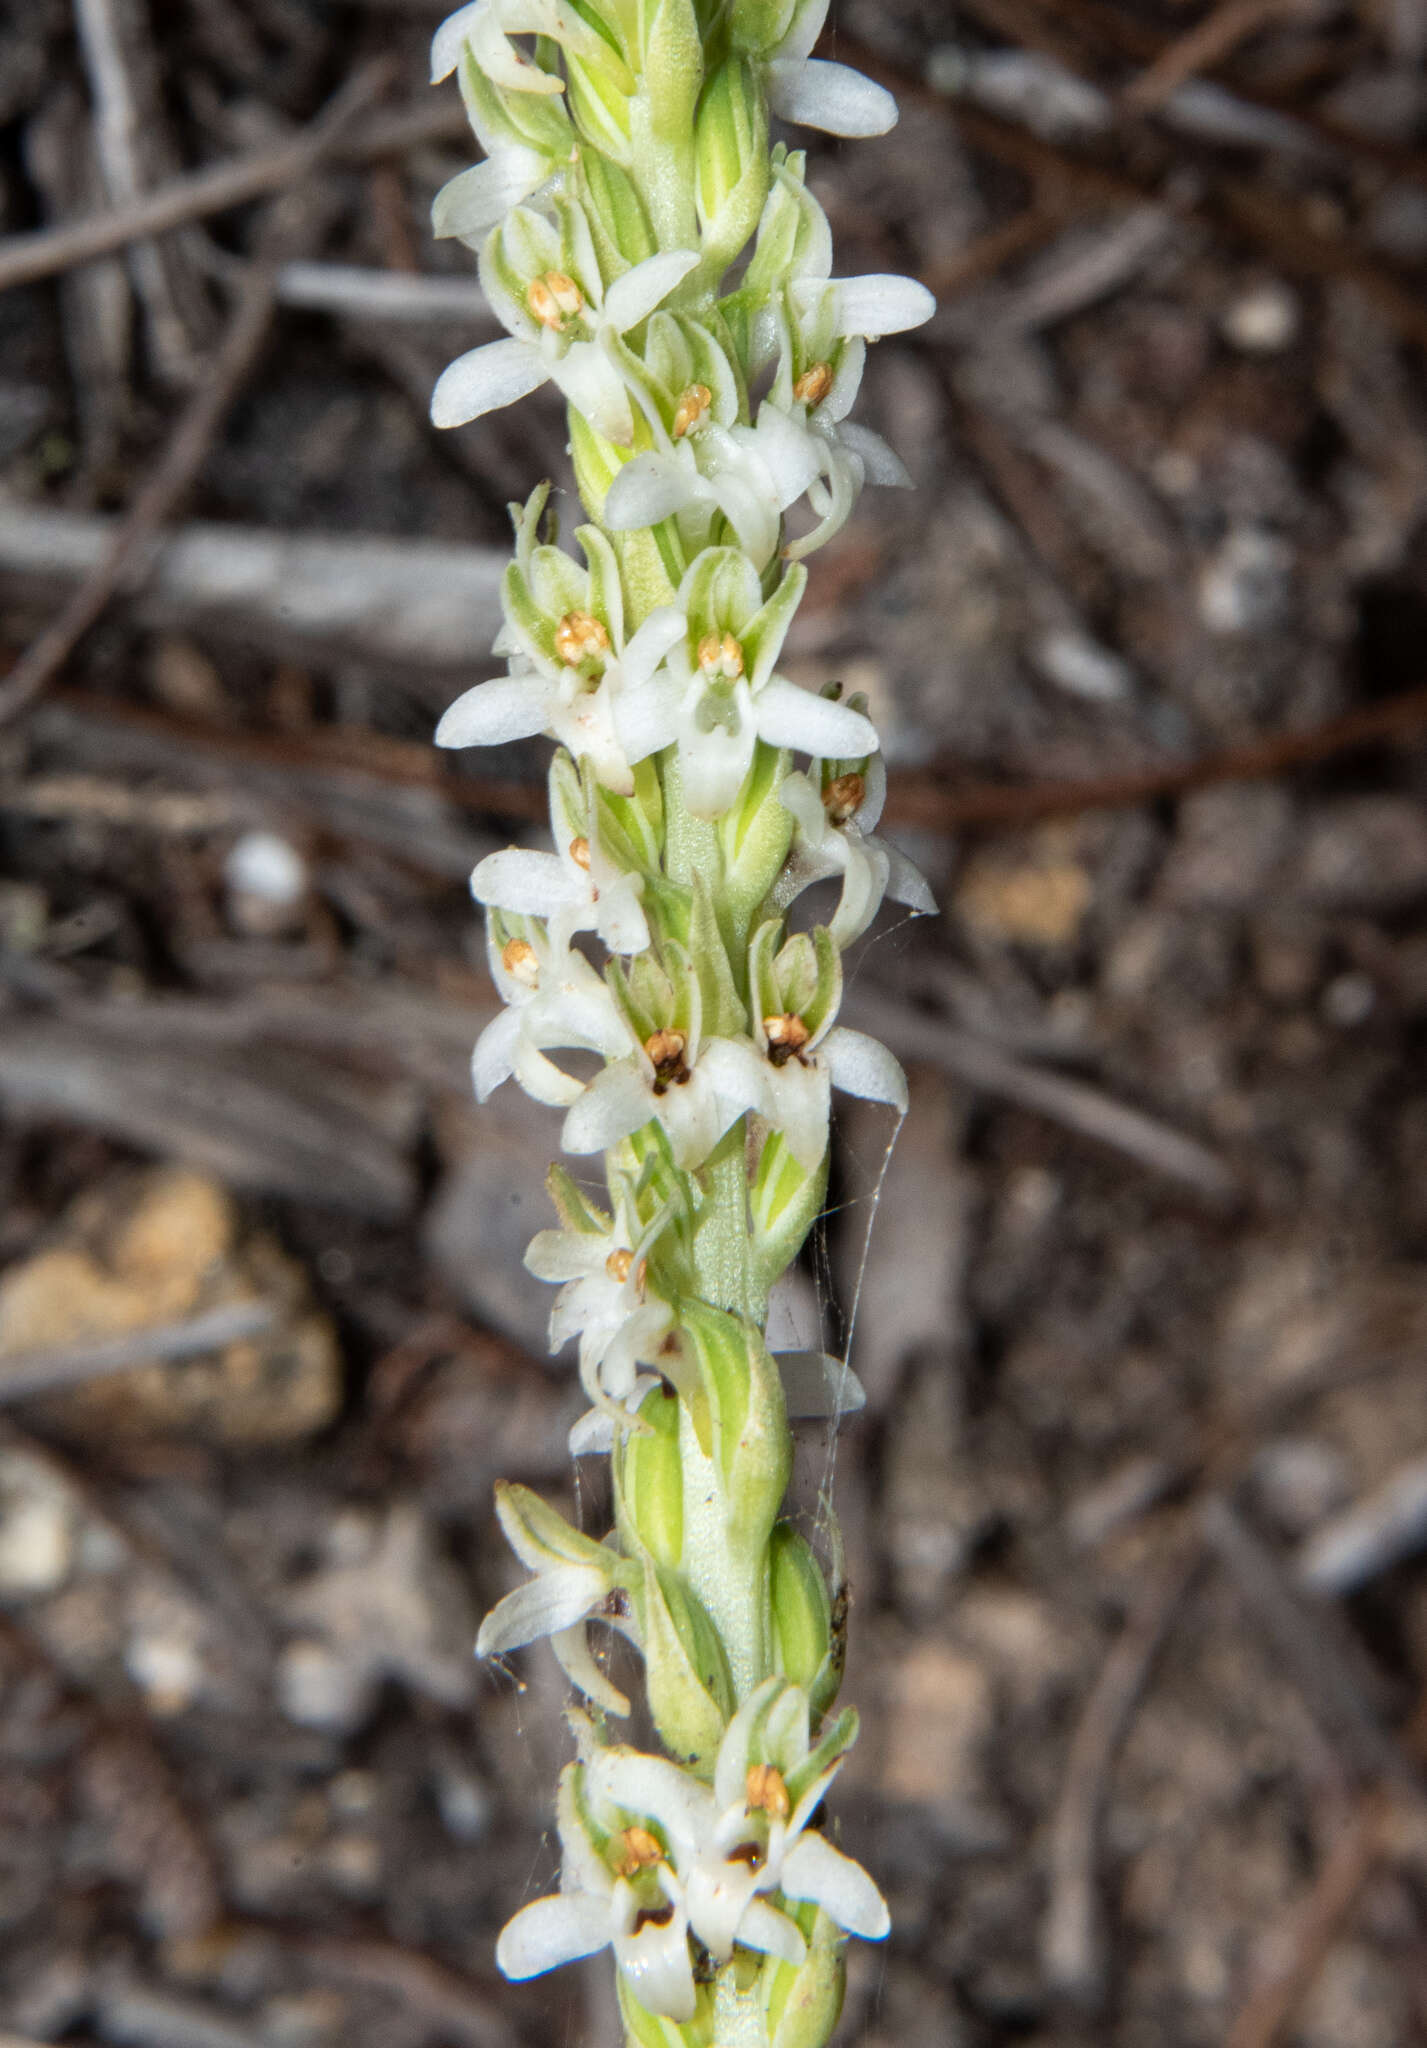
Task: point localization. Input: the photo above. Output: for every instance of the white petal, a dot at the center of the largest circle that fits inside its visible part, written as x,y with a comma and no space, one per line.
719,1895
648,489
486,378
529,884
788,450
622,923
653,1786
880,464
554,1600
647,719
493,1060
541,1079
860,1066
506,708
864,883
573,1655
787,716
713,764
907,884
807,25
615,1103
816,1385
832,97
450,40
813,1869
552,1931
690,1115
596,390
474,200
800,1106
634,296
560,1255
764,1927
797,794
656,1963
643,654
880,303
739,1076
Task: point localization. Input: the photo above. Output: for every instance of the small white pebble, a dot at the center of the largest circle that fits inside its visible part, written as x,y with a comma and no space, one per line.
167,1670
1349,1000
1082,667
317,1689
36,1543
265,865
1263,320
1244,588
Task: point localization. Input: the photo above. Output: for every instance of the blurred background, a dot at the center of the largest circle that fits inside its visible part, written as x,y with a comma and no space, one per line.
1135,1513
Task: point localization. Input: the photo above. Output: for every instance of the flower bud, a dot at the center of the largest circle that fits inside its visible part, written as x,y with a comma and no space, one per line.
649,1483
731,161
804,2001
802,1618
686,1672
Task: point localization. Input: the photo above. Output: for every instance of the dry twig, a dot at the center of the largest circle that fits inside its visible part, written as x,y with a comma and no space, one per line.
1072,1937
1208,43
193,435
27,1373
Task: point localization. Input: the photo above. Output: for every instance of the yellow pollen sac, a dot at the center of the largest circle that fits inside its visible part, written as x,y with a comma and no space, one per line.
721,655
843,797
518,958
814,384
666,1053
692,409
579,638
618,1265
555,300
641,1849
786,1034
766,1793
580,853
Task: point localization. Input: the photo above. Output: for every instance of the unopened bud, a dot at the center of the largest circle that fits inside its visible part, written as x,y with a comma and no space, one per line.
580,637
618,1265
692,409
814,384
520,960
765,1792
555,300
720,655
843,797
580,853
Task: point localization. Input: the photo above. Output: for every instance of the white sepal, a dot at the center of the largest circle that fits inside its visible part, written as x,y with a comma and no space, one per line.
486,378
880,303
858,1065
557,1599
561,1929
813,1869
832,97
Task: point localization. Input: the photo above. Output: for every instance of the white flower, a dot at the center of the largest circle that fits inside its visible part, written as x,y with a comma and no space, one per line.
744,1838
563,701
803,1071
814,94
483,28
641,1915
553,998
605,1299
716,694
574,1580
696,1087
749,474
834,835
560,327
577,889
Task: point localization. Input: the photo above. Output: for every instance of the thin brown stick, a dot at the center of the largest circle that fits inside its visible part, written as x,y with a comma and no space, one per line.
1072,1937
44,253
28,1373
1268,2011
927,801
1202,47
188,445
